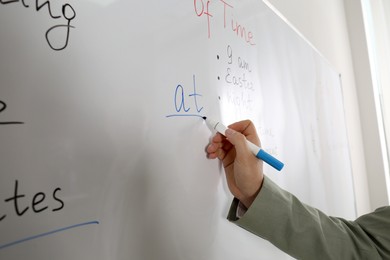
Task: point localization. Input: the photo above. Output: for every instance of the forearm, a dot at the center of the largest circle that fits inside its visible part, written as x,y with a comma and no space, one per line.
302,231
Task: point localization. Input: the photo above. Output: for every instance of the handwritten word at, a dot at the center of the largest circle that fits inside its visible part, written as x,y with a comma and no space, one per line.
202,8
67,13
38,203
3,106
180,102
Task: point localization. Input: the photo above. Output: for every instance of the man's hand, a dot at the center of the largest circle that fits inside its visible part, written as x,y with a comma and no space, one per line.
244,172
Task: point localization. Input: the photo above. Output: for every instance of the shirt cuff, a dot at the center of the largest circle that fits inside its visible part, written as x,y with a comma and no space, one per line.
241,210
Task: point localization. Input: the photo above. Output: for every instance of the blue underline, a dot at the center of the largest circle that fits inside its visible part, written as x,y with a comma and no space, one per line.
47,234
184,115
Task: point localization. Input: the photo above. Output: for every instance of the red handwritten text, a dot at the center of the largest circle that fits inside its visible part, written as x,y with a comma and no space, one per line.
202,8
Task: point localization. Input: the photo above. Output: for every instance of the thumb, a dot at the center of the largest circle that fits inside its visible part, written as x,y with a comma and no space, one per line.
239,142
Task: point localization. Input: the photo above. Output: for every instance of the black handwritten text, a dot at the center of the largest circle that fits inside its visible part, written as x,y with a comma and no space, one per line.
3,106
67,14
38,203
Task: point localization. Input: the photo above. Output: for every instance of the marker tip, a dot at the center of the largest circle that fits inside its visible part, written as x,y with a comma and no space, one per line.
204,117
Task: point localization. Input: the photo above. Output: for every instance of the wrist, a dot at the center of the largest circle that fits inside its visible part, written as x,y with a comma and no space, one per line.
248,200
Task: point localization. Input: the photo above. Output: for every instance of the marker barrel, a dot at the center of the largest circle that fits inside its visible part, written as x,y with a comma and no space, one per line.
266,157
263,155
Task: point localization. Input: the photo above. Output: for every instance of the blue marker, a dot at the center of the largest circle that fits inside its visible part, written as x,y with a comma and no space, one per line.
257,151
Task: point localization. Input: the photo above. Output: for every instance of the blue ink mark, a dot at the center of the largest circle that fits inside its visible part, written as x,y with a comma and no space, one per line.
181,106
195,95
183,115
47,234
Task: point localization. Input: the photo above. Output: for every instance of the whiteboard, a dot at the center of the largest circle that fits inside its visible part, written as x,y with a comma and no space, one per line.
102,146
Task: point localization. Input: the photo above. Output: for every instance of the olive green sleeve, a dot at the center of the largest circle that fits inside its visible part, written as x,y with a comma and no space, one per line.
306,233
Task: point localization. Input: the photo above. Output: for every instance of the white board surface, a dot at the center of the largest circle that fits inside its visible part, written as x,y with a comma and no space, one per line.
102,146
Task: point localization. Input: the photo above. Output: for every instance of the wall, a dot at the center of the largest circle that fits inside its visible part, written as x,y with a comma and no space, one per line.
374,13
386,90
371,117
324,24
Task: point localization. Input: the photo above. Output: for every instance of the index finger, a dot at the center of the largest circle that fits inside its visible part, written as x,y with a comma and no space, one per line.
247,128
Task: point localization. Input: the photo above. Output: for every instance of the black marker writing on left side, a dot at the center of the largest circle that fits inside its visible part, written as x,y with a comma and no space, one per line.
3,107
